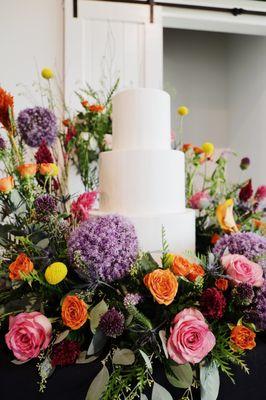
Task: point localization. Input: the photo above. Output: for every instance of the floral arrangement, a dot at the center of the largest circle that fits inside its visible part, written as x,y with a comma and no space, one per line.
76,289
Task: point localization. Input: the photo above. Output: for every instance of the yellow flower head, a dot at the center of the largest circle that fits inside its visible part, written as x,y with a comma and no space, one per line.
183,110
48,169
225,217
169,259
55,273
47,73
208,149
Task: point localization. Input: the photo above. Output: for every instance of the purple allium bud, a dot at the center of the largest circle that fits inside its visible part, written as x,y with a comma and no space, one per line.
106,244
45,205
244,163
2,144
112,323
132,299
37,124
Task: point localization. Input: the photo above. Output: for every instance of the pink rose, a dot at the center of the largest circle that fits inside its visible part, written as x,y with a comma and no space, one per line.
29,333
82,206
241,269
200,201
190,339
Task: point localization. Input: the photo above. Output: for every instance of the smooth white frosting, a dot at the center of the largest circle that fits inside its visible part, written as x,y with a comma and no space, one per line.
141,120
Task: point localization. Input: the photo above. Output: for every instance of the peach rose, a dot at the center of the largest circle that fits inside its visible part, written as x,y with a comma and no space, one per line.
243,337
48,169
221,284
162,284
96,108
195,271
242,270
181,266
21,264
27,170
7,184
74,312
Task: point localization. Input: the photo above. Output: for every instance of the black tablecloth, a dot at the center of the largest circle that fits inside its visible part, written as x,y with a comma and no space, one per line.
72,382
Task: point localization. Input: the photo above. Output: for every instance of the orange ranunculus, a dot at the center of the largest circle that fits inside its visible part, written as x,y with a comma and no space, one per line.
198,150
7,184
48,169
27,170
225,217
181,266
21,264
195,271
186,147
6,108
96,108
74,312
243,337
85,103
66,122
221,284
215,237
162,284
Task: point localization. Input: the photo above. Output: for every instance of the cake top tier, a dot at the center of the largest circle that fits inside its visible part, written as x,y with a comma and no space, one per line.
141,120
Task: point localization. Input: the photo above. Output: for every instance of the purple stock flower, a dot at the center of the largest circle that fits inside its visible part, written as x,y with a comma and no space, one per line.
132,299
107,244
248,244
37,124
112,323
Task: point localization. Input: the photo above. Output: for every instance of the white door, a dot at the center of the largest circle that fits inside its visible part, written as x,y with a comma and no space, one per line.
109,40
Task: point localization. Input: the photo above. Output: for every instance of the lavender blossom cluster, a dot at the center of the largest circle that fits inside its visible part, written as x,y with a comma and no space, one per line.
248,244
36,125
108,244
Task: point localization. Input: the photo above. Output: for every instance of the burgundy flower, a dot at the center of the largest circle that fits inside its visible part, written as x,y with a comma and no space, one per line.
43,154
246,191
65,353
260,193
71,133
112,323
212,303
82,206
244,163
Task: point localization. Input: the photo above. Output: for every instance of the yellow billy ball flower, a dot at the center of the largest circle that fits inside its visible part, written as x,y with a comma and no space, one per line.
183,110
47,73
208,149
55,273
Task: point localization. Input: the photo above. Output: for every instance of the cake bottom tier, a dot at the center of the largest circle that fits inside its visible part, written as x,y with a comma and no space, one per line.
179,228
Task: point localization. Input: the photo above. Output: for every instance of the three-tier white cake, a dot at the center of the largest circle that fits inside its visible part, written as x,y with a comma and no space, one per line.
142,178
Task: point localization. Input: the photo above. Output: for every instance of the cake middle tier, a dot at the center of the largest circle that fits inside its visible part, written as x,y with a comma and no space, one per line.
142,181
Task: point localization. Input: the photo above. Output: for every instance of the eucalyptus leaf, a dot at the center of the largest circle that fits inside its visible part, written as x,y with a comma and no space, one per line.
147,360
83,359
209,382
96,313
18,362
97,344
162,336
143,397
160,393
43,244
61,336
180,376
123,357
98,385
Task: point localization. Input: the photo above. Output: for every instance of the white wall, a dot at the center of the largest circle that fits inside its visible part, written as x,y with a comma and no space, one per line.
31,37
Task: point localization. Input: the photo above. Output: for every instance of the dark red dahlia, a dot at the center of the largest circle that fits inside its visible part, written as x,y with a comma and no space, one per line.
212,303
246,191
65,353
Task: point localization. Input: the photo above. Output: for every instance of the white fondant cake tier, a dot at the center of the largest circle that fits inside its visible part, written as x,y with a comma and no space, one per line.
141,120
142,181
179,228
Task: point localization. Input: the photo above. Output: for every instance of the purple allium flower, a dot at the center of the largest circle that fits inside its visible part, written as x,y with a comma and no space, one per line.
249,244
37,124
2,144
257,313
132,299
112,323
108,244
45,205
243,293
244,163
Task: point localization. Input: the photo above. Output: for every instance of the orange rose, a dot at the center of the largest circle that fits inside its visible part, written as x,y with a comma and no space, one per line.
195,271
221,284
181,266
96,108
243,337
27,170
48,169
21,264
74,312
85,103
7,184
186,147
198,150
162,284
214,239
